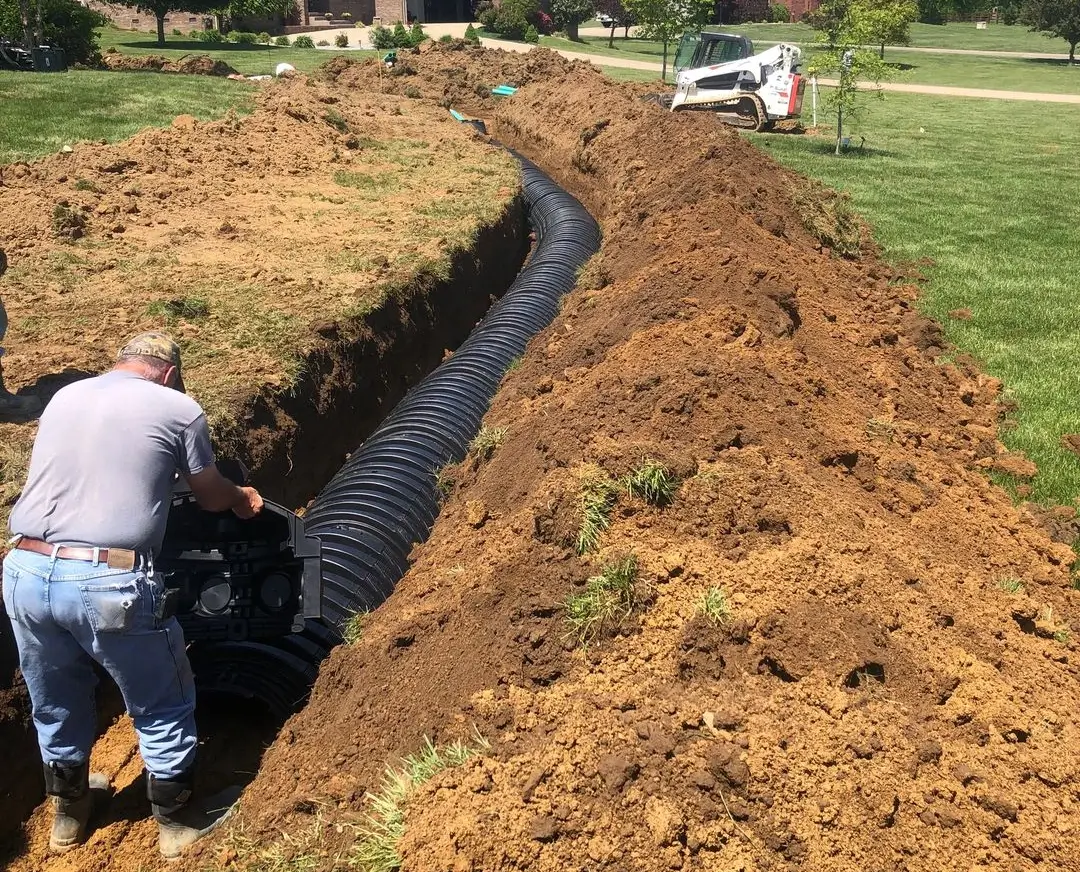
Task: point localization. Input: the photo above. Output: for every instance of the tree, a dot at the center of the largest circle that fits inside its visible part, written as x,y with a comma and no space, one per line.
568,14
64,23
664,20
888,22
160,8
1056,18
619,16
844,26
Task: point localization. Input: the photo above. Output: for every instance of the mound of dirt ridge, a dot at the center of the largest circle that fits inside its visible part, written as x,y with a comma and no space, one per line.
192,65
877,700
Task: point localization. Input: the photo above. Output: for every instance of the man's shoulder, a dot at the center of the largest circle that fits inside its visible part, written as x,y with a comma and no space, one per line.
139,392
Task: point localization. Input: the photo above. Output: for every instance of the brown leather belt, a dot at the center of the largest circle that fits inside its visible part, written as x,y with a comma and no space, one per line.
114,558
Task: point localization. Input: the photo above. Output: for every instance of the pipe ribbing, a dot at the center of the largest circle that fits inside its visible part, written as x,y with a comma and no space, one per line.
385,498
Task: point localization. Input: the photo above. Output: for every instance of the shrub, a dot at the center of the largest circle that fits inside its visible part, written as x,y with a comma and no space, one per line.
264,38
342,40
214,36
568,14
514,16
65,23
471,35
488,18
531,35
382,37
196,35
446,37
176,31
303,41
281,40
545,24
779,13
329,16
401,36
242,38
346,15
416,35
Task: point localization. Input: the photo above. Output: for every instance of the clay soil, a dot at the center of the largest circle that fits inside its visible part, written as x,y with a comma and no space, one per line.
192,65
300,255
895,687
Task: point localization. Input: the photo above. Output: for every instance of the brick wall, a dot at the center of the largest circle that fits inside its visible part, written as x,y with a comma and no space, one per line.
128,18
799,8
389,11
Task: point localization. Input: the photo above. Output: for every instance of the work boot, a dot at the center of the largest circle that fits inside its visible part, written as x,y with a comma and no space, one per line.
182,820
76,793
13,406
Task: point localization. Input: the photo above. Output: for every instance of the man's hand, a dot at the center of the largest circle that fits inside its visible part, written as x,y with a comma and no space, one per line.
252,503
216,493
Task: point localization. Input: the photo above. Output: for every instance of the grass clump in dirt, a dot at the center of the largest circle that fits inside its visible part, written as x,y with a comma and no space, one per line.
828,216
485,442
598,495
652,482
377,847
605,602
187,308
336,120
714,606
353,631
68,223
1011,585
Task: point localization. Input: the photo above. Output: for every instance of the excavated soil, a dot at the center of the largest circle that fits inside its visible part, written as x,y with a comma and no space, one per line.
315,258
192,65
896,686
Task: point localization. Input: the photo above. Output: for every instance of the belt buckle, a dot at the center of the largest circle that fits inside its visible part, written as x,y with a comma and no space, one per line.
121,558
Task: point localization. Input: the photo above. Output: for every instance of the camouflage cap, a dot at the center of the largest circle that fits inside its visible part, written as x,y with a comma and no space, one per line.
156,345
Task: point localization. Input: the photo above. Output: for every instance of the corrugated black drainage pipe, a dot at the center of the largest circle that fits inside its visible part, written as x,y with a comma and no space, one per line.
385,498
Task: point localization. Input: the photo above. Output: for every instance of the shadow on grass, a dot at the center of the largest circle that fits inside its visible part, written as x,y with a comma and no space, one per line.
823,142
1053,62
195,46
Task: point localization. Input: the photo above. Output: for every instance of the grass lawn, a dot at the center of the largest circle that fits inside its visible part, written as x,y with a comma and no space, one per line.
985,189
251,60
964,71
996,37
41,113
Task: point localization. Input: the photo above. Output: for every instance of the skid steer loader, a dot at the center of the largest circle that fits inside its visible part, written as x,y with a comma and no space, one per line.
720,73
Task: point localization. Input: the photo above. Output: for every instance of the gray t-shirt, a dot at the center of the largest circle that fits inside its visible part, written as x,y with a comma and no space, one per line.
104,461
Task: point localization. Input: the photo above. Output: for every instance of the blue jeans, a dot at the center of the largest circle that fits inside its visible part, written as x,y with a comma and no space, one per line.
67,613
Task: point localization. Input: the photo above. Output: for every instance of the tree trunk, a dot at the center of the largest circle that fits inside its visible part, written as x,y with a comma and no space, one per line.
663,64
28,34
160,29
839,127
611,37
883,51
571,32
1072,53
39,33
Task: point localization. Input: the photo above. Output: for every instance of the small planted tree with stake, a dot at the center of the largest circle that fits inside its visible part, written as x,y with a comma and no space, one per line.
845,26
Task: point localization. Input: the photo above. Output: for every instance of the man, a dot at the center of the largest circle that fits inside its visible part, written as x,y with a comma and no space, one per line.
10,404
79,583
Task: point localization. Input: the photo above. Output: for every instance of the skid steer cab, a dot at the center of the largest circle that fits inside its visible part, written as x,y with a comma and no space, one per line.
719,72
229,579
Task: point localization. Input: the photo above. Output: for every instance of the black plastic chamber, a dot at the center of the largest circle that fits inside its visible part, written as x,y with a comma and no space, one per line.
385,498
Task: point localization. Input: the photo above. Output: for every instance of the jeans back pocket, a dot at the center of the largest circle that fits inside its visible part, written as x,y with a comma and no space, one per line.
112,608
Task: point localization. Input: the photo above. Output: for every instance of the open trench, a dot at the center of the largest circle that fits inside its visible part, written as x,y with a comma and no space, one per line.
384,499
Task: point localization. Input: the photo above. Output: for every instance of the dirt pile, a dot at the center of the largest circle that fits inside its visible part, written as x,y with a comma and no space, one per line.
192,65
315,259
895,685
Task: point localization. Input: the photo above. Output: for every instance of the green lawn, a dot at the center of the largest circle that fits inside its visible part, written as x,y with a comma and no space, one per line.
251,60
964,71
987,190
996,37
39,113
